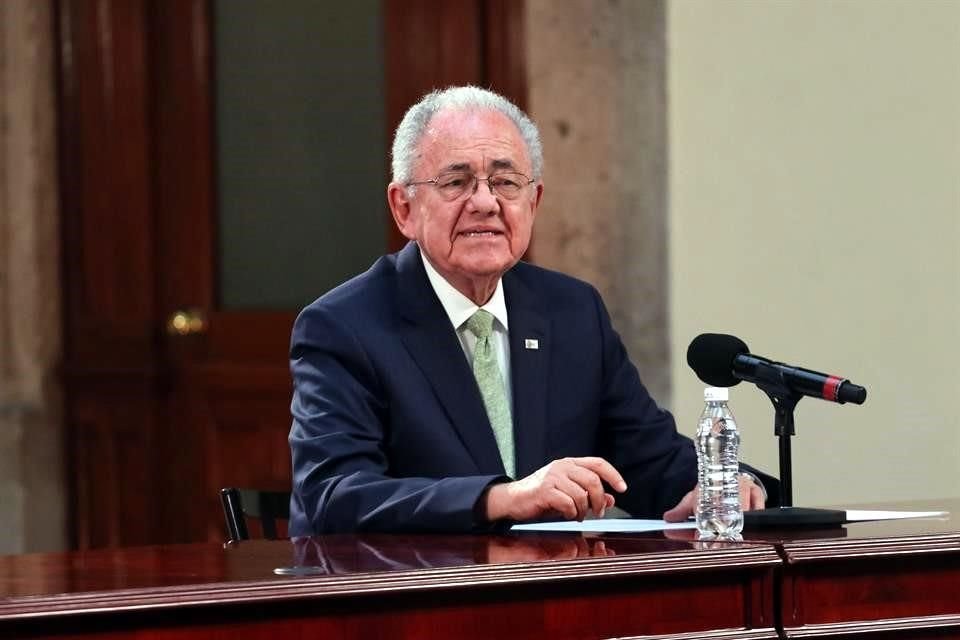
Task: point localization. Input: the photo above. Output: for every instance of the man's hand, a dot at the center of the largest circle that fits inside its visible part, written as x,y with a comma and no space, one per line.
751,497
565,488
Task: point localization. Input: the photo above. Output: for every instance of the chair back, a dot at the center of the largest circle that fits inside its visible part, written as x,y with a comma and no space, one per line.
266,506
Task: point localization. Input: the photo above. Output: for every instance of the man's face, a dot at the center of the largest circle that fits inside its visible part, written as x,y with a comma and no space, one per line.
473,240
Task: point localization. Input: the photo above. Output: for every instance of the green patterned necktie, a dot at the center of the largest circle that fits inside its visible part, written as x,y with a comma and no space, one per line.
487,372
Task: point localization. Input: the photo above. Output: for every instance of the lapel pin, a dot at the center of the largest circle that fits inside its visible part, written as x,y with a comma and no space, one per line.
531,343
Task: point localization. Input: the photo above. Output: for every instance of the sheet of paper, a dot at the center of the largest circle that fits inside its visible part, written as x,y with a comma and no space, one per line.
854,515
611,525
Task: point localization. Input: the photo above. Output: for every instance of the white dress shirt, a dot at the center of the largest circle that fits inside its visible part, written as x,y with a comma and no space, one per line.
459,308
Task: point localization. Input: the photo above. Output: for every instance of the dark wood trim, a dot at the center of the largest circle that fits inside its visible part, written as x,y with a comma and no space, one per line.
918,627
105,190
726,634
184,183
107,224
505,53
805,551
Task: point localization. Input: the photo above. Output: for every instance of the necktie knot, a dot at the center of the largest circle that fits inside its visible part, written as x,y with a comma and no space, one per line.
480,324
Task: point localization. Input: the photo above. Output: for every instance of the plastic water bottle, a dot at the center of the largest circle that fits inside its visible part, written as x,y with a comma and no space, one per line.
718,448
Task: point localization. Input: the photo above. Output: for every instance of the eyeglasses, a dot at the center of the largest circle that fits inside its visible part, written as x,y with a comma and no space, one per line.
455,184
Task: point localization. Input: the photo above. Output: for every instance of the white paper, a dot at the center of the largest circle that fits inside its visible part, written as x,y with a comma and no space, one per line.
857,515
610,525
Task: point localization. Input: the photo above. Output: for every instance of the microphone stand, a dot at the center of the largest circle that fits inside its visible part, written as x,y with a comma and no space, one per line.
785,400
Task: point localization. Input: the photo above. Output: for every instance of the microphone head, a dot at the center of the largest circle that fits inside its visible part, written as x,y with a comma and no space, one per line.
711,356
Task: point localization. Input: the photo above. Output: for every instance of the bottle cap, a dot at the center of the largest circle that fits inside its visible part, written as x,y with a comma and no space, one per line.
716,394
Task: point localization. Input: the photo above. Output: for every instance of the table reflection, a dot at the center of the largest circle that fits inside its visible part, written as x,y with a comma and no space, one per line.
334,555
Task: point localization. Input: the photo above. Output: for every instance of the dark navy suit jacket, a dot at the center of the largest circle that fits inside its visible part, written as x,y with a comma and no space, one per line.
389,429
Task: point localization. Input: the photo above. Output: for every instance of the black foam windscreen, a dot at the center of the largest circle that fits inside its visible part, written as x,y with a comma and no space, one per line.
711,355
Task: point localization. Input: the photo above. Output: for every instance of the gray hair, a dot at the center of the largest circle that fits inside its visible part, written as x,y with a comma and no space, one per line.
410,131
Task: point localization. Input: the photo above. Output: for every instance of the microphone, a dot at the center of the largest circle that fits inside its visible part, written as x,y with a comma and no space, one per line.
723,361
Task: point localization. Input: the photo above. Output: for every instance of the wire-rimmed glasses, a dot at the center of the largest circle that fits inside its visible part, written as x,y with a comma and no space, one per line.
453,185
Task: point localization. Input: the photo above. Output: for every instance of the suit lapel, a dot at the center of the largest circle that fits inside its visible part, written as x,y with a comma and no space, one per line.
529,362
434,346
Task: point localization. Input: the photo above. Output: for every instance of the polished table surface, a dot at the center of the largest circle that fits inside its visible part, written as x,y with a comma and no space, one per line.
897,578
397,586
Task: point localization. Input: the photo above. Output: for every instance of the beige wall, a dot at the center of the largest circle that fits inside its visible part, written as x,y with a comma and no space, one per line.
815,212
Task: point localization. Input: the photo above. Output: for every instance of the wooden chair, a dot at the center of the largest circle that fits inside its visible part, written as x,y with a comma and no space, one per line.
266,506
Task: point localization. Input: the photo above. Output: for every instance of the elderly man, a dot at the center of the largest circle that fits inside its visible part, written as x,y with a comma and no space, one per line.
452,387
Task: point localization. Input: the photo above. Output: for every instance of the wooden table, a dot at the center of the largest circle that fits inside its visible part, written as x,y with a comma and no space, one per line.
869,580
876,580
393,586
892,579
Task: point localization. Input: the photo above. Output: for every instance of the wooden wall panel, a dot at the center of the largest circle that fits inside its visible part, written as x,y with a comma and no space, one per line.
106,171
113,448
110,349
183,143
504,50
179,42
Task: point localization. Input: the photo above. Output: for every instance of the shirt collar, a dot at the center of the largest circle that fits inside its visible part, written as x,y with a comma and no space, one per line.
459,307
